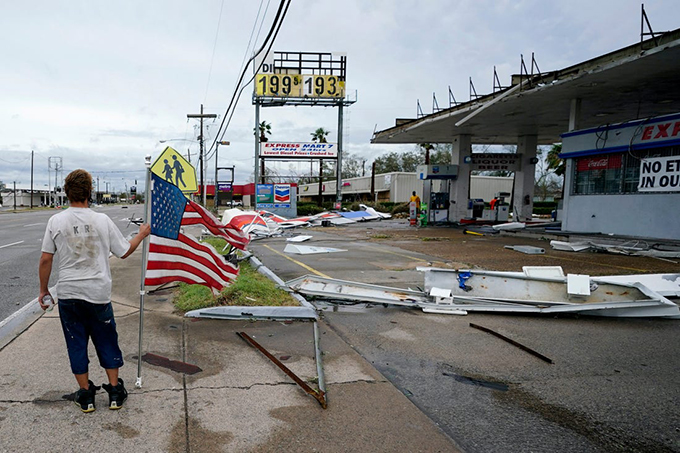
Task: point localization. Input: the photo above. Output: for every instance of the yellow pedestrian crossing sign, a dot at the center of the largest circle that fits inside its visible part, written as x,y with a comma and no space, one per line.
175,169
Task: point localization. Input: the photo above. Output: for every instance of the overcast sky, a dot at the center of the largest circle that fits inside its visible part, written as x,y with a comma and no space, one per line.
100,83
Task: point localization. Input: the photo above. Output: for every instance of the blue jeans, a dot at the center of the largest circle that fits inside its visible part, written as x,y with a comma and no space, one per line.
83,320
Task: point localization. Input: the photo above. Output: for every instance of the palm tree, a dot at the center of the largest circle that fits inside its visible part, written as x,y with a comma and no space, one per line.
264,128
554,161
426,148
320,134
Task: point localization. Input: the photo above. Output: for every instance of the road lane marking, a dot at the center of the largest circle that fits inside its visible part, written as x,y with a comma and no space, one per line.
310,269
13,243
33,224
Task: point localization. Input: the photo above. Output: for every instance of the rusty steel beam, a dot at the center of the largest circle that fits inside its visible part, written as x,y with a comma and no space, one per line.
513,342
317,395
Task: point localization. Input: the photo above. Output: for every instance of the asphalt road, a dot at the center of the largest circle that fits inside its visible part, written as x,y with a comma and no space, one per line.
21,235
613,386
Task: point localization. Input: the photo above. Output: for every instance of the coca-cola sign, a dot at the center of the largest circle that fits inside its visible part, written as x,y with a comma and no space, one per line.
599,162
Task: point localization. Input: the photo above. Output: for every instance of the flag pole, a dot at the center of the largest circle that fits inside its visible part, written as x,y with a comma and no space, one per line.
145,254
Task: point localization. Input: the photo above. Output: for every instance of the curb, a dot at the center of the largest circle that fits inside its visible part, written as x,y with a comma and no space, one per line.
14,325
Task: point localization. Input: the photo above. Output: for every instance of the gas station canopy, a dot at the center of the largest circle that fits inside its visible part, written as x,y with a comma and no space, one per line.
638,81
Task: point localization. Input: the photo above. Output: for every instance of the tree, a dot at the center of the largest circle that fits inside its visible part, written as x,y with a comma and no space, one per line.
547,182
388,163
440,154
554,161
320,134
264,128
352,167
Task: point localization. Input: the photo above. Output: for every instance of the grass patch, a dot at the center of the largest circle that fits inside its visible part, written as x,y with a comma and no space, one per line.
426,239
381,236
250,288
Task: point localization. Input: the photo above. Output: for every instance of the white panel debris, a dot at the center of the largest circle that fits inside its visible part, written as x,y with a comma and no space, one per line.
309,250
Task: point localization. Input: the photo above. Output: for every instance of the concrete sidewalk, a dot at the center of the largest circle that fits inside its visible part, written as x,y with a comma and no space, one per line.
239,401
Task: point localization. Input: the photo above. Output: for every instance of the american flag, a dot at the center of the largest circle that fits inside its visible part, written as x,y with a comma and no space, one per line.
195,214
174,256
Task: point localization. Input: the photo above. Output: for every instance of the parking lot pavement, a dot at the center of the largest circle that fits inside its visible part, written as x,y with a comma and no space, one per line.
613,385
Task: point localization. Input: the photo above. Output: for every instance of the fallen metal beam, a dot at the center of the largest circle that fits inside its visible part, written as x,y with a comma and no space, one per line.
255,313
513,342
318,395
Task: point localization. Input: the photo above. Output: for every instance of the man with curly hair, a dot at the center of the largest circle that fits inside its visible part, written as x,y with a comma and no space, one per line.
82,240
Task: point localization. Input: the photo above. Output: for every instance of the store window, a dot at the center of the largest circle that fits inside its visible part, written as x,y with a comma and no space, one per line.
613,173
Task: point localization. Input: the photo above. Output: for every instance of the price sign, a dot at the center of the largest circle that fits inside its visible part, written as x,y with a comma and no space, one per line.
299,86
278,85
323,86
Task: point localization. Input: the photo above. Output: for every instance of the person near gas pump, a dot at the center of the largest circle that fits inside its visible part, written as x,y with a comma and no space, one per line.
415,198
414,209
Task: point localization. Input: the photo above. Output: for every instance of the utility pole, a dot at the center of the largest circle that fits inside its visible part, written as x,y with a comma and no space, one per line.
217,146
57,164
201,159
31,202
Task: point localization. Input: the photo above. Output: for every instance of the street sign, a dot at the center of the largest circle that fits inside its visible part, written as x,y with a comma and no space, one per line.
175,169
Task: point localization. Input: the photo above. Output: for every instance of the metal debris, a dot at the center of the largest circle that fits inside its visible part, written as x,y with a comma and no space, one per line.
528,249
513,342
309,250
318,395
255,313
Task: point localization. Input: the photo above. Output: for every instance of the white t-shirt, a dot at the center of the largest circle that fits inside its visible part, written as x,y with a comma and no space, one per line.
83,239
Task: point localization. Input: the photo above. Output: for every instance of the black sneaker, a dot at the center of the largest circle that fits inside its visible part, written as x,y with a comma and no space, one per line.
117,394
85,398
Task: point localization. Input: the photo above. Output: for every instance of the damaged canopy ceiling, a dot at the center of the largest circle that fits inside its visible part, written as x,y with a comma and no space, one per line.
638,81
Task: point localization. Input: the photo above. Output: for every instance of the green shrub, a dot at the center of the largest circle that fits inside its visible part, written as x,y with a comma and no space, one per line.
400,208
543,211
305,209
545,204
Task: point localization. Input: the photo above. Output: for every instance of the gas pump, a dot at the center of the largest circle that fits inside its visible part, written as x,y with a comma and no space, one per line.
439,201
499,210
476,208
440,206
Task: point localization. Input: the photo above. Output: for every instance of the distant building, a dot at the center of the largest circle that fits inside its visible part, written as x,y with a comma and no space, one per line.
397,187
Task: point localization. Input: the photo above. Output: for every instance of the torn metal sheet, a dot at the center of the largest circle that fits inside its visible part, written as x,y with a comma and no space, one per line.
333,220
255,313
359,216
528,249
333,289
543,271
516,292
372,211
299,238
457,292
570,246
309,250
667,285
628,248
510,226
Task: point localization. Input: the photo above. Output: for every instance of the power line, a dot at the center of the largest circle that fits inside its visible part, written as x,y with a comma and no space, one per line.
212,58
254,72
276,25
271,43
